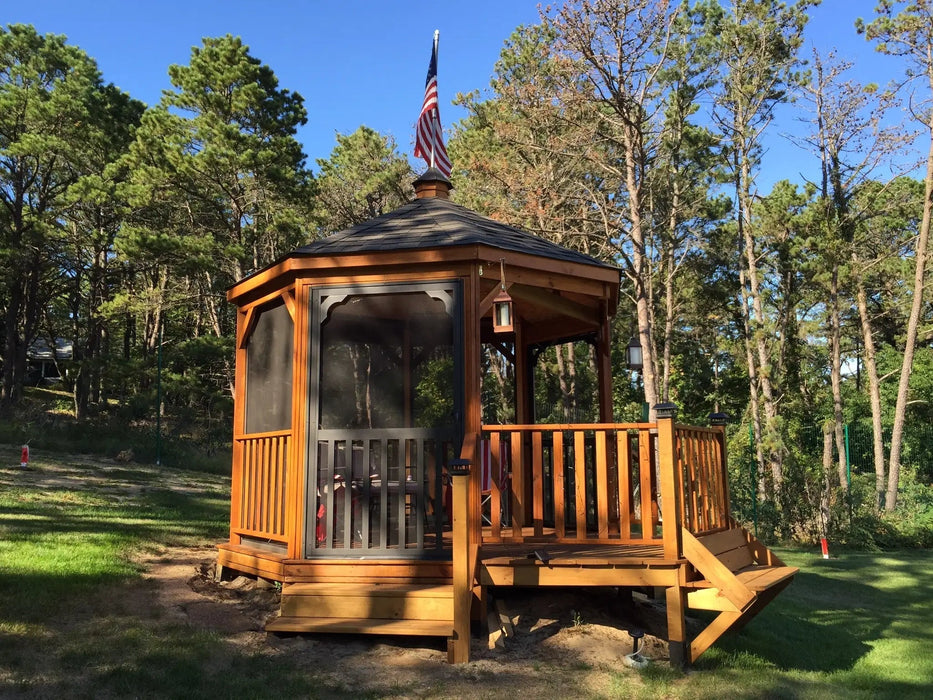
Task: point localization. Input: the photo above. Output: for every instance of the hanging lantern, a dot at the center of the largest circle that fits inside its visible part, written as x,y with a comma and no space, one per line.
633,355
502,318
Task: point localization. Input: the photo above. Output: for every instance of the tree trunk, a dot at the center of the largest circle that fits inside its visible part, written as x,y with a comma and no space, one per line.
910,342
835,348
640,271
874,390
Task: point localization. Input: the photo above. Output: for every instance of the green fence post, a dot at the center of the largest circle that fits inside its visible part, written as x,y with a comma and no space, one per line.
845,430
754,474
158,460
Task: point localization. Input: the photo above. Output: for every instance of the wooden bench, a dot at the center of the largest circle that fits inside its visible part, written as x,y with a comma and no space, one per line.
736,570
741,576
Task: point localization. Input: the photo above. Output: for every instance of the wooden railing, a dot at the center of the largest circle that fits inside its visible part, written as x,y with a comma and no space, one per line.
259,478
577,482
704,498
628,483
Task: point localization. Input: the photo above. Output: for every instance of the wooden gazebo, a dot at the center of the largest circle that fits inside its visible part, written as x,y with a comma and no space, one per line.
365,481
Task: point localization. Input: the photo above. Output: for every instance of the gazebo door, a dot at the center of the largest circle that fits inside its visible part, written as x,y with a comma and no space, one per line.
385,406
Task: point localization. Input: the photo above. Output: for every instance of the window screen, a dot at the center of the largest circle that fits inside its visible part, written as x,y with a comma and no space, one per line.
269,359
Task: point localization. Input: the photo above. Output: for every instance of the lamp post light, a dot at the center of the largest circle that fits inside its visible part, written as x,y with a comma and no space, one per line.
633,355
634,360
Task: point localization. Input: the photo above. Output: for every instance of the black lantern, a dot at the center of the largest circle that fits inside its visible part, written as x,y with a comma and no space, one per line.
502,320
633,356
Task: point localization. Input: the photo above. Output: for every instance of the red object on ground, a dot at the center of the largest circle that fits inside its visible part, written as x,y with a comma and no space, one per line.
825,545
24,460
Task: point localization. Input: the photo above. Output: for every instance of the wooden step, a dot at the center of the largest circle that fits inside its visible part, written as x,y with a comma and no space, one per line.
343,625
412,609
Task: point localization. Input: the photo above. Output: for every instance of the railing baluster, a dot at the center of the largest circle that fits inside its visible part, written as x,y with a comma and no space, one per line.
560,498
518,485
624,457
644,476
497,479
579,473
537,483
602,486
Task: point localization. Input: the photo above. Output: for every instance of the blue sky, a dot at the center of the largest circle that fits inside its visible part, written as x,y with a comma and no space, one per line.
358,62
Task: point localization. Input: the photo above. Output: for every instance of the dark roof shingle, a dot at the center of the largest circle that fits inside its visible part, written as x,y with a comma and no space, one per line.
432,222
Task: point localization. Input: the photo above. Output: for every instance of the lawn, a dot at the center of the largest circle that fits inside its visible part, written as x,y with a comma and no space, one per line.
77,617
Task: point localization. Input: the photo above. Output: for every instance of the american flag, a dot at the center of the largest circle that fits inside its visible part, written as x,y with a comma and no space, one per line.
429,136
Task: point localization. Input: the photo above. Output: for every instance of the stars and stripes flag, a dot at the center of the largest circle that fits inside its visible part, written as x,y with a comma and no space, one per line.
429,136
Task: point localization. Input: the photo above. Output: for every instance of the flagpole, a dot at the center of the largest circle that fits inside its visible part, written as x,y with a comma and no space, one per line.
437,33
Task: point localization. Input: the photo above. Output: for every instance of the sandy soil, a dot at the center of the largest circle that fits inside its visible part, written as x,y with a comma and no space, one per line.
566,643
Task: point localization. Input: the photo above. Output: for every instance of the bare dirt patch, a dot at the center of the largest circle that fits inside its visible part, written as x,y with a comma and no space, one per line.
566,643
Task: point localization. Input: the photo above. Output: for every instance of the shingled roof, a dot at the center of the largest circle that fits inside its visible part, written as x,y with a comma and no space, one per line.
432,222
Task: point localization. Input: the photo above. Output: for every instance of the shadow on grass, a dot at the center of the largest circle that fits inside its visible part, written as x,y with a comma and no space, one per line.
835,613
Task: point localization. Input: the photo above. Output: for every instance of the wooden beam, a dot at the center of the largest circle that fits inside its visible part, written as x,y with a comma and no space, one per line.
716,572
676,626
288,296
248,320
540,575
718,627
553,301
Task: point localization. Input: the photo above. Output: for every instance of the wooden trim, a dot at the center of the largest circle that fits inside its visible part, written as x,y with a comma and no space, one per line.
538,575
590,279
568,427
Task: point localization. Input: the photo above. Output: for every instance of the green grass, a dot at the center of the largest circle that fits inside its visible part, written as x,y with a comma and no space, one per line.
77,618
856,626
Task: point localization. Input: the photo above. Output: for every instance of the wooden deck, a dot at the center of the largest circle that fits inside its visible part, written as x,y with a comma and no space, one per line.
628,505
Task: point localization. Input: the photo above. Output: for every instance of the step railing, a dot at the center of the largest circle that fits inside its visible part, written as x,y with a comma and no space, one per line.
701,460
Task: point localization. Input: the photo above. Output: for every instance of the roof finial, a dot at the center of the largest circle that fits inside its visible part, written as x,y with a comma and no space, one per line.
432,184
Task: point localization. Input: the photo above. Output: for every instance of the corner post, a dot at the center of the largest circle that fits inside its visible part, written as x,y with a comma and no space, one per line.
671,480
671,485
458,647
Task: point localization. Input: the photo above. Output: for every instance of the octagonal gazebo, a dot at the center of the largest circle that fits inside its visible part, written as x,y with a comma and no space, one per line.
363,477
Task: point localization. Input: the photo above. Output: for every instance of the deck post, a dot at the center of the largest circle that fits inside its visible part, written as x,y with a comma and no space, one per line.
671,481
676,599
458,647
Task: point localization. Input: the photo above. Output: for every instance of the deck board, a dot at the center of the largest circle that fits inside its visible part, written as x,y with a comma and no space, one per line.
510,554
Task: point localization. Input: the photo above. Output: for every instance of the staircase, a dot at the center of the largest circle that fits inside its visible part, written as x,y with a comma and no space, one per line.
740,577
404,609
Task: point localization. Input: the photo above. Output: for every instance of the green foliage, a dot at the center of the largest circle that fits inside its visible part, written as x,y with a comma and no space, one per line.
363,178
